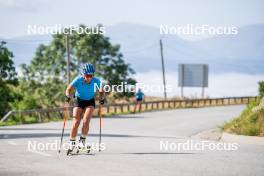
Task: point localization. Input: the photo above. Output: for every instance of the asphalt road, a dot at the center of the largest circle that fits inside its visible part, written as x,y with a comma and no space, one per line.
134,145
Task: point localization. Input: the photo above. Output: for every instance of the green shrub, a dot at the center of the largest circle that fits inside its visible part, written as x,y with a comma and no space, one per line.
261,88
248,123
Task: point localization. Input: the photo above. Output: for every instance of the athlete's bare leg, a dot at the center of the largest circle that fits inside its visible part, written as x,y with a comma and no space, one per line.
86,120
77,112
135,108
140,105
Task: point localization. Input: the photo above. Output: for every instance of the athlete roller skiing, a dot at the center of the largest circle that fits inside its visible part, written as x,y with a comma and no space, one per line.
85,87
139,98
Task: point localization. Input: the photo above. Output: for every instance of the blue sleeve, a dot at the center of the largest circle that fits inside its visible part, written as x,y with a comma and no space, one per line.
74,83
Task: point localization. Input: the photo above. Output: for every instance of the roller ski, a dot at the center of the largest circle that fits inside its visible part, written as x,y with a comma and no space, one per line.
81,148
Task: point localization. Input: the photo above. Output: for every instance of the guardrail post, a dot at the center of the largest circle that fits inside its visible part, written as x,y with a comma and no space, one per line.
122,110
115,109
60,114
39,117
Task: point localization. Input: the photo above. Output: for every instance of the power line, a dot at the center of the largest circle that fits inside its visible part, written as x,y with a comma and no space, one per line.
68,59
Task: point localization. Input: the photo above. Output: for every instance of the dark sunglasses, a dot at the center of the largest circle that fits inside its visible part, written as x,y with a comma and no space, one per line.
88,76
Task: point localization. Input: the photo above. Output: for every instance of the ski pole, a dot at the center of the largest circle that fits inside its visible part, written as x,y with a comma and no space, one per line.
100,133
64,123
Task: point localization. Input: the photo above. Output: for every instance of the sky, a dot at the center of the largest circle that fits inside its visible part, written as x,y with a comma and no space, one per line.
16,15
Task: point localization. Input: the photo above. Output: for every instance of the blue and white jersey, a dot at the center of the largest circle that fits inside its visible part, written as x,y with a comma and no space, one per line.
84,90
139,95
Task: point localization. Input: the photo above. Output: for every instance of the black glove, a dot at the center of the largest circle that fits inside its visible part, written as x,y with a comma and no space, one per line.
67,98
101,100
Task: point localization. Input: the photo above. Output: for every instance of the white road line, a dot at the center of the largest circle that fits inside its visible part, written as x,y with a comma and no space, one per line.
11,143
39,153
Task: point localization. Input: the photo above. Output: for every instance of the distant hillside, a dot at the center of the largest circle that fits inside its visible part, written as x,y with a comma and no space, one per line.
240,53
140,45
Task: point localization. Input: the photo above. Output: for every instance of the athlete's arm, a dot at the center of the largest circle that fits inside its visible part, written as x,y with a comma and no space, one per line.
68,90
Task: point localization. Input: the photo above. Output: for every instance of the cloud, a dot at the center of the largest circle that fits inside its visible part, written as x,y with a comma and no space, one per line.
23,5
220,85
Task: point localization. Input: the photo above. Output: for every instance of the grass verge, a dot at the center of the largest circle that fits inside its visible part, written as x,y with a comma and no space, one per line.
249,123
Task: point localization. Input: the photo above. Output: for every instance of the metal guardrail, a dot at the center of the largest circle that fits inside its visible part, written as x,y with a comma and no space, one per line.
109,109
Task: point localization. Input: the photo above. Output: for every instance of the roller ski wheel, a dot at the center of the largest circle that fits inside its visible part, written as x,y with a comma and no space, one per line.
69,152
83,148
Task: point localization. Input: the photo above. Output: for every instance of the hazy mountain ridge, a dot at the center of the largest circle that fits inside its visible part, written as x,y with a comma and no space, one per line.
243,52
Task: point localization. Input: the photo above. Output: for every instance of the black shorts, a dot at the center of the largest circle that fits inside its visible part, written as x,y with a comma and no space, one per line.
139,99
84,103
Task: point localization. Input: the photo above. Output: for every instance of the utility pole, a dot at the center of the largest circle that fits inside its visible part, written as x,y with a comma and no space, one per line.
163,69
68,59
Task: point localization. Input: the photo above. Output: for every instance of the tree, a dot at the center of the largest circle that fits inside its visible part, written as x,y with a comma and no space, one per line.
48,68
7,78
7,69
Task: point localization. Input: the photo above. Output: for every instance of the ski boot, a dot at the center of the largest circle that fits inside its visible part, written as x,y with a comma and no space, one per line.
72,147
82,147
